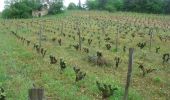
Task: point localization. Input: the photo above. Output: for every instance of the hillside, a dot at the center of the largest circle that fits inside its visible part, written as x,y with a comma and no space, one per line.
24,65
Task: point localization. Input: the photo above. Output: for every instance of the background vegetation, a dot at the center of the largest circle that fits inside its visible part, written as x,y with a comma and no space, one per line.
147,6
142,6
72,6
23,8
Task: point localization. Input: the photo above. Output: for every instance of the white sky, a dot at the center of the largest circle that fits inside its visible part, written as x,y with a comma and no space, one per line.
1,5
66,3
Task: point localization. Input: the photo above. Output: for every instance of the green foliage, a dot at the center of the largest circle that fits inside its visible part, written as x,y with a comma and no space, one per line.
56,7
147,6
92,4
157,79
167,6
21,9
118,4
72,6
24,8
109,5
102,4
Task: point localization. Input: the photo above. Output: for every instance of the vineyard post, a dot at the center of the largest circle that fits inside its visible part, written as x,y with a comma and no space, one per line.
27,25
117,37
129,73
62,28
5,20
103,30
40,34
32,19
36,94
151,36
79,34
17,27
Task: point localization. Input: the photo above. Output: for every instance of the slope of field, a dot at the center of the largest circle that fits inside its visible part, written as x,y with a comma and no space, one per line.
21,67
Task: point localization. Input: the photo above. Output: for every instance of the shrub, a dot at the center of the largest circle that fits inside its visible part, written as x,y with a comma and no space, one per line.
21,9
56,7
157,80
72,6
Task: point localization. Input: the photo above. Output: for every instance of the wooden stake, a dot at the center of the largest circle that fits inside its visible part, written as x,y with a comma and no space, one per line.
40,35
151,35
79,39
17,28
129,73
117,37
62,25
36,94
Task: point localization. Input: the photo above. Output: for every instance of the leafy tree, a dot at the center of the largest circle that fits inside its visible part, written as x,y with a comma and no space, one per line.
154,6
56,7
92,4
118,4
72,6
102,4
109,6
146,6
19,9
167,6
24,8
127,4
149,6
79,5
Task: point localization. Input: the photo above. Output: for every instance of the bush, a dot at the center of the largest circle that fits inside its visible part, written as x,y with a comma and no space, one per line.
21,9
109,5
167,6
157,80
92,4
148,6
118,4
72,6
110,8
56,7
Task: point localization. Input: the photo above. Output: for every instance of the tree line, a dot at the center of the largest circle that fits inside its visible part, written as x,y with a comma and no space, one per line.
24,8
144,6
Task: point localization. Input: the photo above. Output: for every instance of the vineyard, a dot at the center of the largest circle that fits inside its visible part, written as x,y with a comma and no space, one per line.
83,55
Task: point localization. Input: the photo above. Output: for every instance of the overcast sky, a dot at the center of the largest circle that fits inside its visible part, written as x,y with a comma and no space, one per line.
1,5
66,3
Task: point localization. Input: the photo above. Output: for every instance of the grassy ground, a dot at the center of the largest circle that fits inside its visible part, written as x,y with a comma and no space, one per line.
21,66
